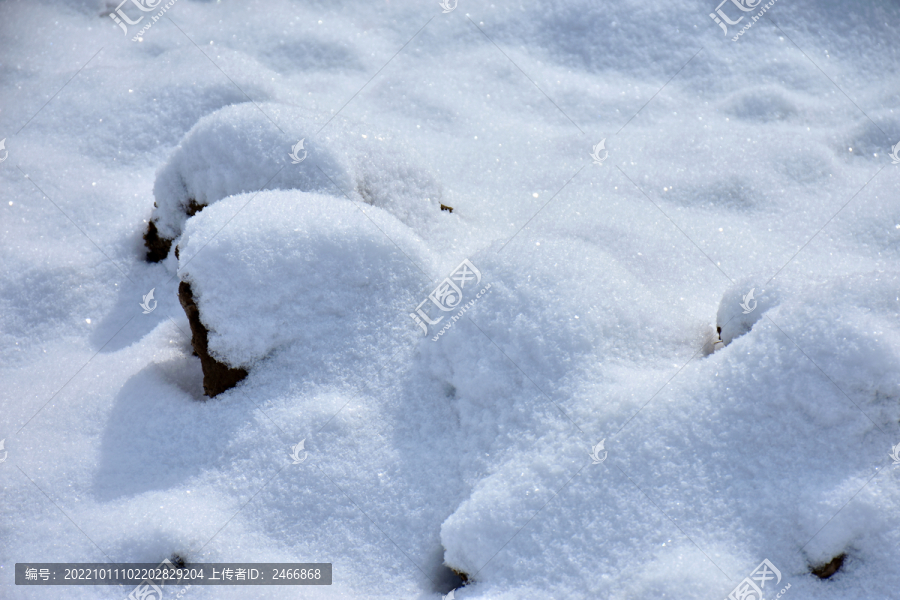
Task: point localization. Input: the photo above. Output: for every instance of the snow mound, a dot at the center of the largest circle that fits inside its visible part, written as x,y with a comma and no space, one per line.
246,148
389,176
239,149
297,268
743,305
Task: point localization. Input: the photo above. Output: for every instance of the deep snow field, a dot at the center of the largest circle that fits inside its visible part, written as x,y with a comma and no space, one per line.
727,166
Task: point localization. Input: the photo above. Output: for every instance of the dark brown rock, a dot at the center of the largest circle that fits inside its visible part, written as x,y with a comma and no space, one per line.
447,208
194,207
157,246
827,570
217,377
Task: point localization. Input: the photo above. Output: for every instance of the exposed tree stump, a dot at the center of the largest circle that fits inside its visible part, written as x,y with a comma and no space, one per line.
157,246
217,377
193,207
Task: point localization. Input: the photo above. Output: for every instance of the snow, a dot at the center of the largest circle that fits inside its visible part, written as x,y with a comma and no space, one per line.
240,149
325,279
759,165
741,307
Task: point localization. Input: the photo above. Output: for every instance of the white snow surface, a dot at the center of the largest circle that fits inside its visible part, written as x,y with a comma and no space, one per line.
760,164
239,148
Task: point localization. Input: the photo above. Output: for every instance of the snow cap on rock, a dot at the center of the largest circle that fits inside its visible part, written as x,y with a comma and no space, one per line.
240,149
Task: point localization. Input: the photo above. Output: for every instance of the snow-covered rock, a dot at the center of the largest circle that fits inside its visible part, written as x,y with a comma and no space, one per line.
301,272
248,147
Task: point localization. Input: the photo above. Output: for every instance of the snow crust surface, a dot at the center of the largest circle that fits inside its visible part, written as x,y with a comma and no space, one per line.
759,164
